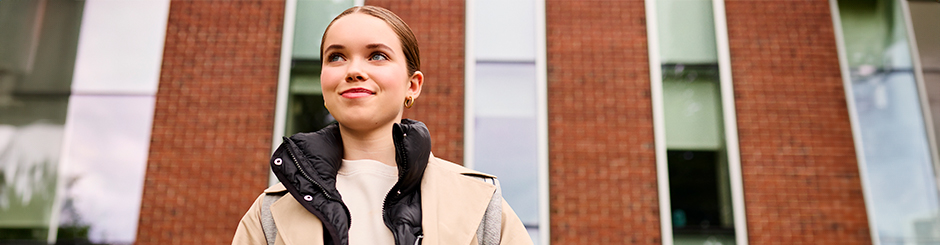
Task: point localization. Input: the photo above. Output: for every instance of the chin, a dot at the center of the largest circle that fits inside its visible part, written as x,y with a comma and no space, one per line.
365,121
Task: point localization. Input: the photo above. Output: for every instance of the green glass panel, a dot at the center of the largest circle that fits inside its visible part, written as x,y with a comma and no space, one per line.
692,109
38,42
305,110
312,18
686,32
875,34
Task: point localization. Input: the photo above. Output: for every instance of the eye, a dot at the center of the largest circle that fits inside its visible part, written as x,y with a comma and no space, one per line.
334,57
378,56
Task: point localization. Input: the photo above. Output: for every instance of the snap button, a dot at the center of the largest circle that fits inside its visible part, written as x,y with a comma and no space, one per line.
308,198
278,161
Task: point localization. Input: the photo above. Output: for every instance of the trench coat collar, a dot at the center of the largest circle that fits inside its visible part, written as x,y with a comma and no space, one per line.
452,204
452,207
301,226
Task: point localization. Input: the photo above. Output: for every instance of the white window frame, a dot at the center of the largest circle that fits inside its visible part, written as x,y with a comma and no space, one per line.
728,112
283,77
541,86
853,115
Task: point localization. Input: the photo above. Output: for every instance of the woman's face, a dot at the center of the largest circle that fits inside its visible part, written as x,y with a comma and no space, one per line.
365,76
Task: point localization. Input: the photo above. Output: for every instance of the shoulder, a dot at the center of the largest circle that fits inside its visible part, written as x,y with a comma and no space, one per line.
276,188
450,167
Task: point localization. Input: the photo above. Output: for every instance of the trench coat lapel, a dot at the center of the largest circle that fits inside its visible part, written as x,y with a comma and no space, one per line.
296,224
452,204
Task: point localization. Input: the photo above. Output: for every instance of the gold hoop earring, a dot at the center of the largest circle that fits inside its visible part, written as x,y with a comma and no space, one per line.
409,101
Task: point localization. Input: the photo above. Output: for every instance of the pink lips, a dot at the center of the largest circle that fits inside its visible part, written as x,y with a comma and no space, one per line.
356,93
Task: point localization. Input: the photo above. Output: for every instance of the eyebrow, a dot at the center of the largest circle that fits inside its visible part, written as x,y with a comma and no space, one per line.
334,46
378,46
368,46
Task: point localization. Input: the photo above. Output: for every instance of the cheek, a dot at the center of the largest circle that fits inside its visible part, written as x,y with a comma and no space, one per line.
330,78
394,79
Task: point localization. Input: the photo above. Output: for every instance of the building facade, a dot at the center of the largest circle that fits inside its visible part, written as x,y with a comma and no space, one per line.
608,122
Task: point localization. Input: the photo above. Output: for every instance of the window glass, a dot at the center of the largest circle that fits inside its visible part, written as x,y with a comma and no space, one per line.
505,89
122,46
696,156
310,22
37,53
505,133
899,169
924,18
691,94
108,143
701,212
505,136
686,31
504,30
305,110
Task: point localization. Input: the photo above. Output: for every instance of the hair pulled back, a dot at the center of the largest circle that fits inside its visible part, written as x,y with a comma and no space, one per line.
409,44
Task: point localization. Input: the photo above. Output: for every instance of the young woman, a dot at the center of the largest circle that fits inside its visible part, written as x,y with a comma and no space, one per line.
371,178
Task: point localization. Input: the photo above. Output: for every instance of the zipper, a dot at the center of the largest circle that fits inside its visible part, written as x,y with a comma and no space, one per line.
401,158
322,190
297,164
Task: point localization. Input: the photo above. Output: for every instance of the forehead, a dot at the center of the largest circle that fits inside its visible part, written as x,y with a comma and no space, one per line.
359,30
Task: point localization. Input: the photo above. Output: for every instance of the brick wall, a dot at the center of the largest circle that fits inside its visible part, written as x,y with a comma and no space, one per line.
439,27
602,159
213,120
801,178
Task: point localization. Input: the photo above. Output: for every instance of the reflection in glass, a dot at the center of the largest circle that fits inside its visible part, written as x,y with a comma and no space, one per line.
924,18
104,174
121,47
699,185
29,157
504,104
696,154
505,30
310,22
305,109
899,174
505,134
38,42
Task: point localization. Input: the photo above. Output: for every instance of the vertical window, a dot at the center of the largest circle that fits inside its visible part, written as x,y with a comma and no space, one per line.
896,162
77,87
304,105
37,55
698,151
924,16
503,102
110,113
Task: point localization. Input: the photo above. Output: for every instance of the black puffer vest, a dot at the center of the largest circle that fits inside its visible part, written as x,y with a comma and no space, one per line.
306,163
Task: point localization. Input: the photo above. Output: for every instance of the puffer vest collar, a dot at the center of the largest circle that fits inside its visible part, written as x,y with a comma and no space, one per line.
307,163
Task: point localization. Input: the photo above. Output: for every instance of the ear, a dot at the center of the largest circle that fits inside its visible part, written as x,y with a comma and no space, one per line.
415,84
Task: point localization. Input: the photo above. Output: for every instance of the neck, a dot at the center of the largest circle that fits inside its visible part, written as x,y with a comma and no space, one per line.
376,144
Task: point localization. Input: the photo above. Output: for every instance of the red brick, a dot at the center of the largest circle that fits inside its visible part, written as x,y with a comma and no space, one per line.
213,120
602,162
439,27
801,177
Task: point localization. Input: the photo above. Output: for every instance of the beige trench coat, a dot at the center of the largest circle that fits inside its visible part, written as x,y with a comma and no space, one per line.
452,208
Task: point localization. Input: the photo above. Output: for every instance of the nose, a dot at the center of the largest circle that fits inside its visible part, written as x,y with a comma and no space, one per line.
354,73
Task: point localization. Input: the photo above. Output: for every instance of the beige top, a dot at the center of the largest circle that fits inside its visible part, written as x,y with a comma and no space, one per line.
364,185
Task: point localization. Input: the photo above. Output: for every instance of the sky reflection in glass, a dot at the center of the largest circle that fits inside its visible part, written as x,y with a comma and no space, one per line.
108,140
